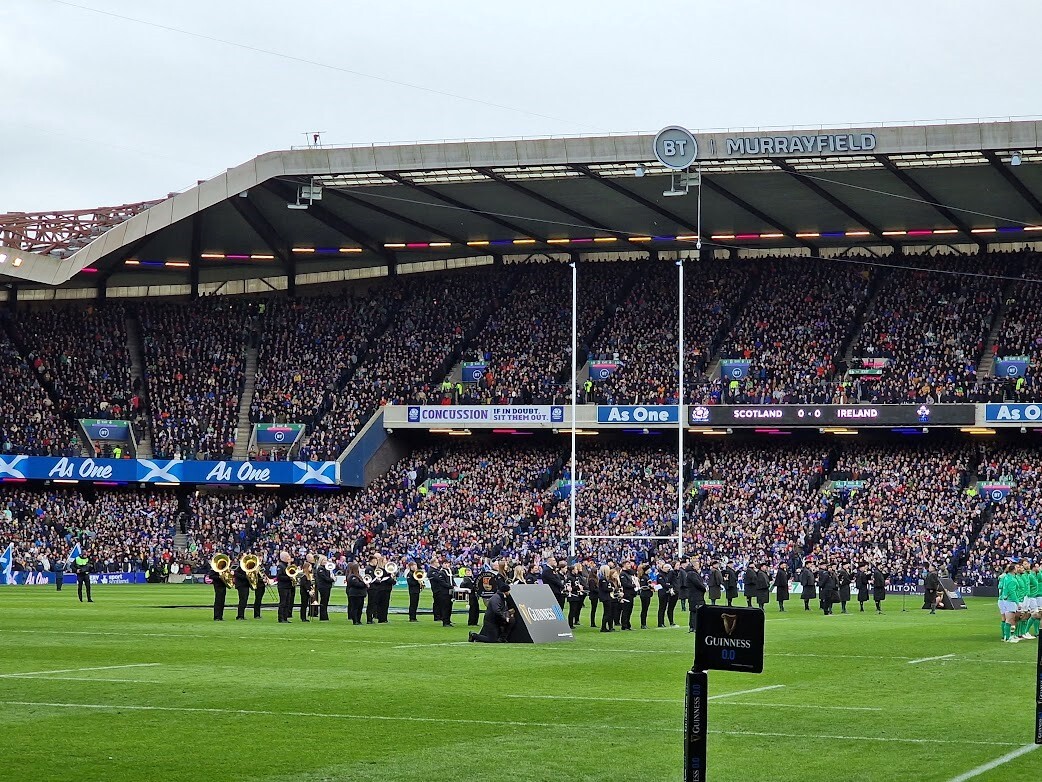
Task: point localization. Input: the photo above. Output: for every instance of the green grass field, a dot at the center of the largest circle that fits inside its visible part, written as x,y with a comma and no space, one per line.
127,690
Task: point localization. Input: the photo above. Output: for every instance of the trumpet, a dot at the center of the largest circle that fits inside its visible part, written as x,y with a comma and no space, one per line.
378,573
420,578
222,565
250,565
368,579
330,567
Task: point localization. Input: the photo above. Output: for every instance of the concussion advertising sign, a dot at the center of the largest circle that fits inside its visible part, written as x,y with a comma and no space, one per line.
485,415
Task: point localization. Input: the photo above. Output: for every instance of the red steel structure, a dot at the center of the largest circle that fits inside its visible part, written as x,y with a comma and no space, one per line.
62,233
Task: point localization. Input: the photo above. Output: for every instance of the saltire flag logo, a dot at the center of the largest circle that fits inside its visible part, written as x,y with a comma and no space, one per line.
7,564
76,552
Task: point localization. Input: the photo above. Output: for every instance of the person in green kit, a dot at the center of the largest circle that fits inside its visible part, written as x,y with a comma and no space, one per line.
81,564
1024,588
1034,599
1008,604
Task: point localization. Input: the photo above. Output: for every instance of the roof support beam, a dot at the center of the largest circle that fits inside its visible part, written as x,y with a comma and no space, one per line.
333,221
1015,182
427,229
251,213
588,222
926,196
785,231
129,251
193,255
625,192
825,195
457,204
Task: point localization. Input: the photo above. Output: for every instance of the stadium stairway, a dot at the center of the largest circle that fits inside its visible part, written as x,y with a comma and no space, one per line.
716,345
875,286
243,429
137,376
986,364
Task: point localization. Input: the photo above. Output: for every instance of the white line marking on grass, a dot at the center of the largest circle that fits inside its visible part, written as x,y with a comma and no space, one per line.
86,679
77,670
831,656
929,659
800,706
976,772
445,643
494,723
678,699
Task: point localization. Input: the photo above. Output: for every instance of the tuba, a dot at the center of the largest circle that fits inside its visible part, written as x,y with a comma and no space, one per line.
392,569
250,565
222,565
294,573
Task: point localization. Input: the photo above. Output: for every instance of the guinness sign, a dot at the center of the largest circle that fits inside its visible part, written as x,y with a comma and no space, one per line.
729,639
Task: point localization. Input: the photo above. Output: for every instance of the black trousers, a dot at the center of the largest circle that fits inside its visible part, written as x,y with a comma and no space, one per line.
781,604
220,593
81,579
691,623
645,606
491,633
286,603
443,607
593,610
575,607
244,599
608,615
323,603
383,604
305,602
370,607
59,580
666,605
258,599
625,613
475,610
414,603
761,602
354,609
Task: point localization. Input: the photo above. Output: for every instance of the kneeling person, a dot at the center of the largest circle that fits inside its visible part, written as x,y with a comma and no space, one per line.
497,619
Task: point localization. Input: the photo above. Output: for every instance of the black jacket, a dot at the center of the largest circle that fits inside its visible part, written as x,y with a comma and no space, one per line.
604,589
577,588
553,580
441,581
242,581
863,580
496,612
731,582
843,576
828,586
218,582
749,582
285,582
629,588
323,578
932,583
411,582
762,584
808,583
781,585
668,582
696,587
716,584
356,587
878,584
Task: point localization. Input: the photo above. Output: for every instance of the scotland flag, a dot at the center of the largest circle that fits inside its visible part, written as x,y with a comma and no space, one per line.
76,552
7,563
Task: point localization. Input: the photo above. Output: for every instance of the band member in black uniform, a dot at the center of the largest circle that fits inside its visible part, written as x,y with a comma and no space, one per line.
471,586
258,591
304,589
716,583
553,580
324,585
242,587
931,588
730,584
828,588
863,580
370,575
286,588
415,587
680,578
82,566
593,589
781,586
496,627
696,591
575,593
844,578
762,584
220,593
749,584
356,592
646,591
605,588
667,594
808,586
878,588
59,573
629,584
383,594
440,578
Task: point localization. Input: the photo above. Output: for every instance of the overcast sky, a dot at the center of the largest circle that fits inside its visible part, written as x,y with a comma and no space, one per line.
98,110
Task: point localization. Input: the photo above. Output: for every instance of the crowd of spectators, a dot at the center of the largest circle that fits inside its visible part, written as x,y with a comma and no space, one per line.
932,327
29,422
641,334
913,509
195,357
792,331
120,530
1011,529
81,353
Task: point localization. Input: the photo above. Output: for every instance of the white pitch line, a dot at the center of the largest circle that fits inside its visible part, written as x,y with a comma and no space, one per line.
745,692
678,699
976,772
494,723
77,670
418,646
800,706
930,659
86,679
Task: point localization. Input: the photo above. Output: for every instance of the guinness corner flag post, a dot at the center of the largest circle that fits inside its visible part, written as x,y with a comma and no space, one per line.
726,639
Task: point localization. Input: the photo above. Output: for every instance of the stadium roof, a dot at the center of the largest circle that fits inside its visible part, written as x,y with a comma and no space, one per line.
383,207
